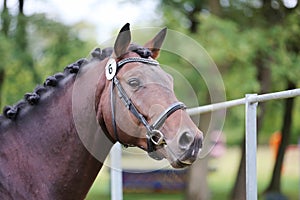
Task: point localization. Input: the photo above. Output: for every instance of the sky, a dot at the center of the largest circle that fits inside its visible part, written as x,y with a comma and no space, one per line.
106,16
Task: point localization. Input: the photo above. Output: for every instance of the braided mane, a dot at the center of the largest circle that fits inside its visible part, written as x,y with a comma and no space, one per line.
33,98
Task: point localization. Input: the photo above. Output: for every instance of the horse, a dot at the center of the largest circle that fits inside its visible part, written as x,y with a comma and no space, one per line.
50,140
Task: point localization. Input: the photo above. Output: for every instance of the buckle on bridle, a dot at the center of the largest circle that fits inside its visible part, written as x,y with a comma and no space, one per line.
157,137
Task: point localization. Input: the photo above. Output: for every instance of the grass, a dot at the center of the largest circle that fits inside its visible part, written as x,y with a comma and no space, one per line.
221,179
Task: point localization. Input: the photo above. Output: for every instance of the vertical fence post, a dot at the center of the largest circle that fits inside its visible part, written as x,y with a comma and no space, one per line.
299,162
251,147
116,172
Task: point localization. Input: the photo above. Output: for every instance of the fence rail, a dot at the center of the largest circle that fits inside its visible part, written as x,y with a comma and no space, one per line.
250,101
241,101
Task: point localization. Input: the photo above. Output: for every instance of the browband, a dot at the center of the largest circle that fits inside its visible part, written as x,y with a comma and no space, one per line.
136,59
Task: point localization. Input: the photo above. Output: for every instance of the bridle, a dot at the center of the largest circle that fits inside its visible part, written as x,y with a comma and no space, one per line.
154,136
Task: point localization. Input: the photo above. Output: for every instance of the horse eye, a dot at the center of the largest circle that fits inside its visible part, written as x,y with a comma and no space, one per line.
134,82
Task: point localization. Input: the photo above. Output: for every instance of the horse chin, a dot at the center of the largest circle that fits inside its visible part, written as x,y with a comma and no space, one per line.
180,161
179,164
156,155
186,159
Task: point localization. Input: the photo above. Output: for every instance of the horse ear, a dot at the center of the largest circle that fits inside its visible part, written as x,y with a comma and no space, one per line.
155,44
122,42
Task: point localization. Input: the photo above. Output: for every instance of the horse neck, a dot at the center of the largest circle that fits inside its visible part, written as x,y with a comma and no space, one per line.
42,156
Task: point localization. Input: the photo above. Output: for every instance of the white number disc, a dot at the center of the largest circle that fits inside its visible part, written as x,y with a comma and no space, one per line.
110,69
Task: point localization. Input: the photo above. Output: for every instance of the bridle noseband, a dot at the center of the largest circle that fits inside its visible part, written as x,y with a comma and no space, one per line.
154,136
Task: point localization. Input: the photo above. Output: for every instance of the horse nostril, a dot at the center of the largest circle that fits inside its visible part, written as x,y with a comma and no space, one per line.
185,140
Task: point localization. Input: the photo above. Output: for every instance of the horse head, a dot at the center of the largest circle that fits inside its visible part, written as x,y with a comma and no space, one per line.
140,107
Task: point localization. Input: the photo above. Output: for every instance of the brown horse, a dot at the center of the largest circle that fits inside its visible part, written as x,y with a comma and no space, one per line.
51,140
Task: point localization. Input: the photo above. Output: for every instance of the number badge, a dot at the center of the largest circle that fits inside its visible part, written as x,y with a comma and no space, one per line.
110,69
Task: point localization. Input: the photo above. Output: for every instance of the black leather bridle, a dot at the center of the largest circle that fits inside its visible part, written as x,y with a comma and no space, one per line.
154,136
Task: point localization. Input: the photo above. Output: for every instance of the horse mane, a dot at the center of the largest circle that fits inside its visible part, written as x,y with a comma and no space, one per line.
33,98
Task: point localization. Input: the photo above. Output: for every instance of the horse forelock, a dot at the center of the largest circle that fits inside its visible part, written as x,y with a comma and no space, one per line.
140,50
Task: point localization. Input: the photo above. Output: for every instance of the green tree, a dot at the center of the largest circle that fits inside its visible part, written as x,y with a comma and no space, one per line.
5,21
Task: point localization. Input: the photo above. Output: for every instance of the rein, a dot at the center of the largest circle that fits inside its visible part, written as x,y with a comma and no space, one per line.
154,136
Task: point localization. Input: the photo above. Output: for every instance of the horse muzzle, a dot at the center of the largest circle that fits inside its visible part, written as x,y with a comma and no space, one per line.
181,153
190,148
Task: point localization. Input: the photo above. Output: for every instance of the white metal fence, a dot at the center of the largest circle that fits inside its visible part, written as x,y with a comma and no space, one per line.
250,101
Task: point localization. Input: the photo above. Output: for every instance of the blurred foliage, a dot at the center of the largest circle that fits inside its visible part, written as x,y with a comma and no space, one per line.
242,37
